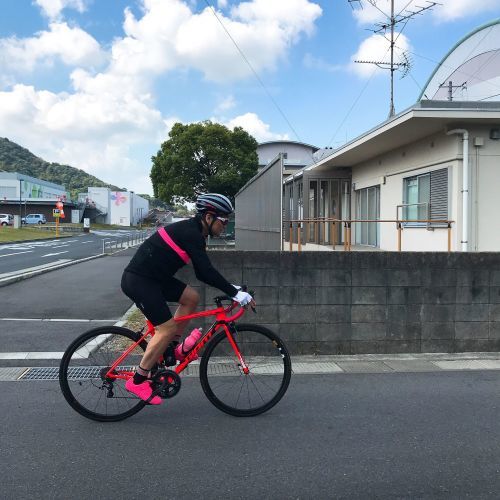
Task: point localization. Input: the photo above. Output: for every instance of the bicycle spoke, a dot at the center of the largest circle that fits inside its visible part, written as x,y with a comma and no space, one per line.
239,393
83,370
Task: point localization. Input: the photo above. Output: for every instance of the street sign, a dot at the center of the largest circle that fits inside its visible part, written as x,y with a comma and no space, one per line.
56,213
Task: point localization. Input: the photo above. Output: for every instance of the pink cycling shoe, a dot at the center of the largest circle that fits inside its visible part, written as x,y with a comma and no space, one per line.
182,350
142,391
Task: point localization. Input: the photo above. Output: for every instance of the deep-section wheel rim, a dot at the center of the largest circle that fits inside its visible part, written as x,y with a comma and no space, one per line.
82,368
239,394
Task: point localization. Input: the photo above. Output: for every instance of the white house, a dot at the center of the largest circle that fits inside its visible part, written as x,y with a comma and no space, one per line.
124,208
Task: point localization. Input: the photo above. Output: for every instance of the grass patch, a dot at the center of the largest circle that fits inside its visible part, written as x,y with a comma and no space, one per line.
135,321
8,234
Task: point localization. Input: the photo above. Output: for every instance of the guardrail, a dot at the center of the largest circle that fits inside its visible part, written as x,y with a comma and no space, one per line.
126,241
66,227
299,232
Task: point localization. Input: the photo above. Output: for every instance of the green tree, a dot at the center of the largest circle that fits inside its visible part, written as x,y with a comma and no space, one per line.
203,157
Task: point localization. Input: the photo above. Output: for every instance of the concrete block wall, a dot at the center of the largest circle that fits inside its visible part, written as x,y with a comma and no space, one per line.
368,302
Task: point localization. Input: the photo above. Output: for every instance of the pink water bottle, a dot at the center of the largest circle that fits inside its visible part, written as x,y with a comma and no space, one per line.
182,350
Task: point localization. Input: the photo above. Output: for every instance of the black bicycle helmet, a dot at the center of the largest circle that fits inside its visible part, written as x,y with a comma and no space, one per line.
214,203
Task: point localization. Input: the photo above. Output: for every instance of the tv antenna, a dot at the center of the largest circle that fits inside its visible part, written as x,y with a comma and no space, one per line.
382,28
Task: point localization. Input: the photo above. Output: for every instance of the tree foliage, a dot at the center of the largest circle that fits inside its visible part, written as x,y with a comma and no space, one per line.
203,157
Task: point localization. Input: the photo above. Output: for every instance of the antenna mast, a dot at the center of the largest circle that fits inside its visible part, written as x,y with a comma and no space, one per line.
382,28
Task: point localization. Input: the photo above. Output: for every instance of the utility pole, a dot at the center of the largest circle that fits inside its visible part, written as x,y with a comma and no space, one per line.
451,87
382,28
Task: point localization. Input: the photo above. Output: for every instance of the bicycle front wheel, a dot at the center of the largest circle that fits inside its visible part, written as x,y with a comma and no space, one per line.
229,388
83,369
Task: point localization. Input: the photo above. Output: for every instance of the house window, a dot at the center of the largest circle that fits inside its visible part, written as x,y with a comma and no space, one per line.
426,196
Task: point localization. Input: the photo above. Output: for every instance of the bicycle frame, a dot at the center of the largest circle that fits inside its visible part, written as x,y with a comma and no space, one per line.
221,322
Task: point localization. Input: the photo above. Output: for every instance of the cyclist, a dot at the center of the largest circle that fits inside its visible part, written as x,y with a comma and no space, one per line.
149,280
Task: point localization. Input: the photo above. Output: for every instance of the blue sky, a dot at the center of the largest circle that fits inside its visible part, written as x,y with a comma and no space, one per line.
97,84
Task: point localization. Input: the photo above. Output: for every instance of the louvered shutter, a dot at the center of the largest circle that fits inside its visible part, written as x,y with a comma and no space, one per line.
439,195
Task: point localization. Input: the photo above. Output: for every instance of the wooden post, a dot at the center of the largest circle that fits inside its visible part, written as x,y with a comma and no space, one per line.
316,231
57,227
290,238
449,237
306,232
334,234
345,236
349,236
400,229
299,237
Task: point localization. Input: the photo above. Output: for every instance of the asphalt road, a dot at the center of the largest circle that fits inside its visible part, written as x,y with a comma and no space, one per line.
22,256
387,436
46,312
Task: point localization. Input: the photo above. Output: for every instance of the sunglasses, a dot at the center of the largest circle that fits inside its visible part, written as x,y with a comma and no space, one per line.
223,220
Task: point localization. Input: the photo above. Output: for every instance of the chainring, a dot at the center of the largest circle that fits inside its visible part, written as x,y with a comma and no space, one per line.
166,383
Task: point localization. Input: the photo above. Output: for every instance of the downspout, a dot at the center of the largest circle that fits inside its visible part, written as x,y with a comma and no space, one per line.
465,185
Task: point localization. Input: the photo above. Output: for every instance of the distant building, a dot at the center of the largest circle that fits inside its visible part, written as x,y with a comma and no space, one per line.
22,194
123,208
295,154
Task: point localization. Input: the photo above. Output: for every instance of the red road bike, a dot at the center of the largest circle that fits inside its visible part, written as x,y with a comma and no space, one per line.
244,370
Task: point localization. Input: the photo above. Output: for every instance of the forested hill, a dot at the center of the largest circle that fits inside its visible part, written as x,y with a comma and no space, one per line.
14,158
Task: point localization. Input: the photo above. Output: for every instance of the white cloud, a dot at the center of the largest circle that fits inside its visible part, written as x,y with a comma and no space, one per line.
255,127
313,62
449,10
225,104
73,46
170,35
53,8
222,4
455,9
95,132
376,48
105,120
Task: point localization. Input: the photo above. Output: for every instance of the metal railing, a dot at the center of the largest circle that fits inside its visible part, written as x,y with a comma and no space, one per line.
298,228
123,242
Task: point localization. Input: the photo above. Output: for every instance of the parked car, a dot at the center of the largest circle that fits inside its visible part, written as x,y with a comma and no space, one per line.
34,219
6,219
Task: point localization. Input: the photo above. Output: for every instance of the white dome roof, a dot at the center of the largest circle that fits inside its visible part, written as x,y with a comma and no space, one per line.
474,62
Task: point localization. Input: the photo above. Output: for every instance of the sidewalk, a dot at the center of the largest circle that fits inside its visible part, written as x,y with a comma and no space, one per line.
324,365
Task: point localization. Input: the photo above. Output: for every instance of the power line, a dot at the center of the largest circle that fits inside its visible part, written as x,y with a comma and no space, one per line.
467,75
253,71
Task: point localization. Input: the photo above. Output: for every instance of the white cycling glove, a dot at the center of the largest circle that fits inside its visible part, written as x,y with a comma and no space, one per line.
243,298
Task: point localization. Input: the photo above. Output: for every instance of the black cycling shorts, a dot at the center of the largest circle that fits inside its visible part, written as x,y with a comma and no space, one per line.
151,296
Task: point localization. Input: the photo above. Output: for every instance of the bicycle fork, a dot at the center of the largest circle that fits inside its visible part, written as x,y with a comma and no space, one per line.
230,331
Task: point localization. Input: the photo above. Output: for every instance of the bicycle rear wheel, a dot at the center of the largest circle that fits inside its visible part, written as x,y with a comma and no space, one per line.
237,393
83,368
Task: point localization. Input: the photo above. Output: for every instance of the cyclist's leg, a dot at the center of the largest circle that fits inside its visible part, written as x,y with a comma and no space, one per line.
148,296
151,298
187,305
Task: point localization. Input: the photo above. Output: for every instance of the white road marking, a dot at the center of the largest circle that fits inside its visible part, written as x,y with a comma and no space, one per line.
16,253
63,320
52,254
31,355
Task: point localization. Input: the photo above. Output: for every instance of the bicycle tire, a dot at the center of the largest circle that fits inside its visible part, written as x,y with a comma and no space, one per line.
219,368
79,358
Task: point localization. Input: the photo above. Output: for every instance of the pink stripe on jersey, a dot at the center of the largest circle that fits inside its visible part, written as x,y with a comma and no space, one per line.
171,243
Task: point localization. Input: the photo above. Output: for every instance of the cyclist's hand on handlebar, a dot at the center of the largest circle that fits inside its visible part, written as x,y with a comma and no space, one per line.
243,298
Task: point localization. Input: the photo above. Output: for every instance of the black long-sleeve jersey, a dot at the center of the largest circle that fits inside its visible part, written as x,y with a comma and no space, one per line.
156,260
